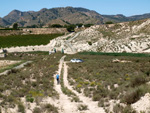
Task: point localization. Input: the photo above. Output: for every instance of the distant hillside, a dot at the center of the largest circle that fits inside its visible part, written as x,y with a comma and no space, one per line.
67,15
3,22
133,37
139,17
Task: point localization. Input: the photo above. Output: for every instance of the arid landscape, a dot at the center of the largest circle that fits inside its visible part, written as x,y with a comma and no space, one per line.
103,62
100,84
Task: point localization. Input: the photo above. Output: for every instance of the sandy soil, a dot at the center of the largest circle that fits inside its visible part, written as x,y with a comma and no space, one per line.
64,103
143,105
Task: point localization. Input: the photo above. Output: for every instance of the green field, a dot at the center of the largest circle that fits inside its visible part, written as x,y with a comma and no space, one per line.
25,40
116,54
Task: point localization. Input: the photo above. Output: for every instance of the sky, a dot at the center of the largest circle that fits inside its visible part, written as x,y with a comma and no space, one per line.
108,7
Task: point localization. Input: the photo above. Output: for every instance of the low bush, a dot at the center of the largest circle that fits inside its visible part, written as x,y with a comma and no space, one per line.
75,99
29,99
132,96
120,109
101,103
139,80
49,108
90,43
96,97
109,22
37,110
82,107
21,108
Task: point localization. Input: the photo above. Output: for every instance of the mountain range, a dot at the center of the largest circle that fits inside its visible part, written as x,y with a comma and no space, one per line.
63,16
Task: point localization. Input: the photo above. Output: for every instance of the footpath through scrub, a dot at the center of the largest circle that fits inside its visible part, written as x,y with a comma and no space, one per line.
64,102
92,106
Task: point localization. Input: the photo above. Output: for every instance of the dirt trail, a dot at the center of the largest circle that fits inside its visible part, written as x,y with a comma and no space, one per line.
92,106
64,104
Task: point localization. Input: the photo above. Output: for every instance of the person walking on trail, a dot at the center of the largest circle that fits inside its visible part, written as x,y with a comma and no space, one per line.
54,50
57,77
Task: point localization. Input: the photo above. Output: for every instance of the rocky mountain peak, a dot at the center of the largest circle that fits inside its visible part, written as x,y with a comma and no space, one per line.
66,14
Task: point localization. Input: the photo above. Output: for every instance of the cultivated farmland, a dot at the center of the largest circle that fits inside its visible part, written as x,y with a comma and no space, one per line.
26,40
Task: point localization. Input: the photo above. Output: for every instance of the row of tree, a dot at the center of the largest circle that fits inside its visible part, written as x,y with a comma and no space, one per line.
69,27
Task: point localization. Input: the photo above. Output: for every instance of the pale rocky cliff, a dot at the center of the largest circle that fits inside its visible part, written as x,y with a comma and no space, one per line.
121,37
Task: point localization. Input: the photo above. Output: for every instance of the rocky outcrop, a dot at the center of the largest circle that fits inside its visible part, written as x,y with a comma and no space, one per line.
122,37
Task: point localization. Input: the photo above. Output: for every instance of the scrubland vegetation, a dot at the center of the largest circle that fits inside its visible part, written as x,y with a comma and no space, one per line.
101,79
98,77
33,82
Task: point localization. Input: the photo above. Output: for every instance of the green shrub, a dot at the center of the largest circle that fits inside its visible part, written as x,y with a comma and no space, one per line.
75,99
117,108
132,96
14,70
10,99
79,86
68,38
109,22
92,84
147,73
49,107
86,83
79,25
139,80
29,99
70,28
128,109
37,110
120,109
103,92
82,107
21,108
101,103
90,43
66,91
96,97
56,26
15,26
88,25
113,94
